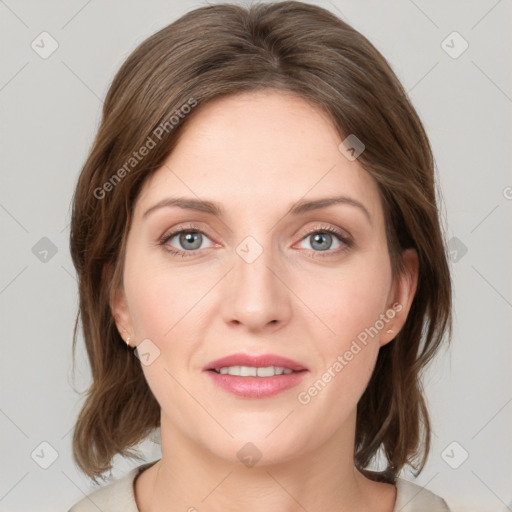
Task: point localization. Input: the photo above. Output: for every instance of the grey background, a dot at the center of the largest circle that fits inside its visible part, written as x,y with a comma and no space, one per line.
50,109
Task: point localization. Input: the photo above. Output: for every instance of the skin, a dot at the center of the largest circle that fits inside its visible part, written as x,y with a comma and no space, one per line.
256,153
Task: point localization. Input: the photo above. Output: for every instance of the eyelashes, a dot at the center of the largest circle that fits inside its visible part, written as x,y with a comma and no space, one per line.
345,242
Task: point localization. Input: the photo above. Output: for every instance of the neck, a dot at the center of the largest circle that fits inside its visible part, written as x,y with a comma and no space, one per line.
190,477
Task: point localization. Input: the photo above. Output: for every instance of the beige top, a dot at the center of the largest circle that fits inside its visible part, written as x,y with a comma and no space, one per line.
119,496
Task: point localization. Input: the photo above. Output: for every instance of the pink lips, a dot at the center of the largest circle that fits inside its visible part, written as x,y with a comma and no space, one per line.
255,387
258,361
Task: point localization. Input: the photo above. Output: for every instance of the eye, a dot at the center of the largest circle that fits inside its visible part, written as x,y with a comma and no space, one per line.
189,240
321,239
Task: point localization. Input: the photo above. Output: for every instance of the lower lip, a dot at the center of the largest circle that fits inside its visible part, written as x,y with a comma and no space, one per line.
256,387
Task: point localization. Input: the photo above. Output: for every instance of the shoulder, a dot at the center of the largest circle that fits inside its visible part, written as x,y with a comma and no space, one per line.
411,497
116,496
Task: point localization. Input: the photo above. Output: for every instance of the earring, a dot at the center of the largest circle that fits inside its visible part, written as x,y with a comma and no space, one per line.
128,341
389,331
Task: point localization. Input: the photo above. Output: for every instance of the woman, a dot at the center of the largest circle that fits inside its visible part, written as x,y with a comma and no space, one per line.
280,353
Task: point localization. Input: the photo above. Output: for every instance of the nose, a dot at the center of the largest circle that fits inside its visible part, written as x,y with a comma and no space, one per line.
255,292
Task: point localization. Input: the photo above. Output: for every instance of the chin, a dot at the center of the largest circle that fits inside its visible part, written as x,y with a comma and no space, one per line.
263,449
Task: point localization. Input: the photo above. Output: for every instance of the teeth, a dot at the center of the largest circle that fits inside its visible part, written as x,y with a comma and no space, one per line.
251,371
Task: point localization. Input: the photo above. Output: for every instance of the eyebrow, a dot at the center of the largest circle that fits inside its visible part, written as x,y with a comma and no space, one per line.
296,209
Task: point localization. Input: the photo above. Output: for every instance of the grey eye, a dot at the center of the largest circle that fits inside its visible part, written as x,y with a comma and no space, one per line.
190,241
322,241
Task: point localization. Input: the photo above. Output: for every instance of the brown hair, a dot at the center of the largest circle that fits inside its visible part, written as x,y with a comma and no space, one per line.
226,49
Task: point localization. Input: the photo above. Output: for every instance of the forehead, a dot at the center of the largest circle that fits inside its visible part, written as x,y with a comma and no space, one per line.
258,151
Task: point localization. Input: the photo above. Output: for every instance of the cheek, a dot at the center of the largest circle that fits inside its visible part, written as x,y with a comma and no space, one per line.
351,299
158,297
162,304
351,303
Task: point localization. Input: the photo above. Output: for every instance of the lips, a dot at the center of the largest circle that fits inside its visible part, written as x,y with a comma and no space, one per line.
258,387
257,361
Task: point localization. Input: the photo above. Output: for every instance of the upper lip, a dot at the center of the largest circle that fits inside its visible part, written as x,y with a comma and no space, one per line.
258,361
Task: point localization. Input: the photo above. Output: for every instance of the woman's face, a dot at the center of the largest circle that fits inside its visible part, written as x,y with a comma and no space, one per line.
254,278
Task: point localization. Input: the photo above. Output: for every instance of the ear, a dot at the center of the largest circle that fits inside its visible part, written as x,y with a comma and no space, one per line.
119,308
401,295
